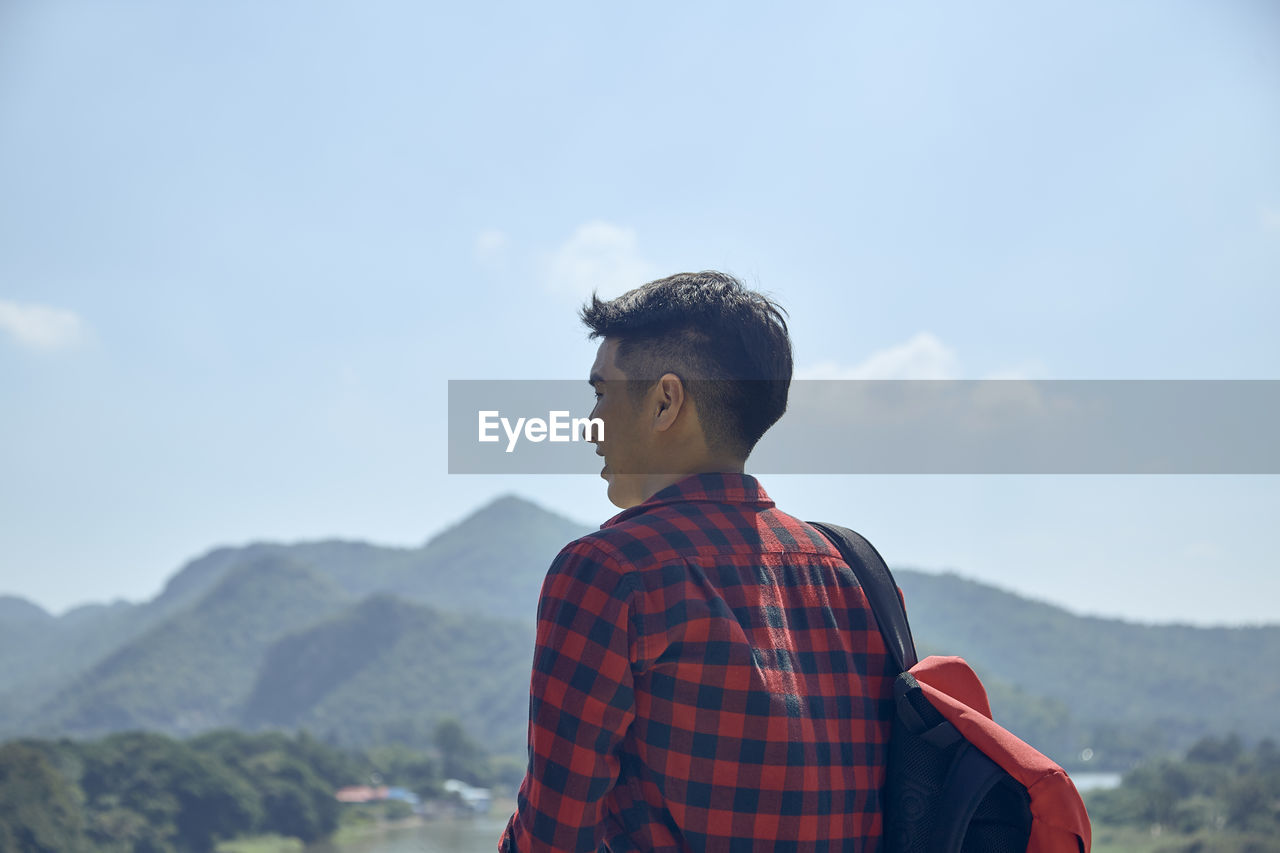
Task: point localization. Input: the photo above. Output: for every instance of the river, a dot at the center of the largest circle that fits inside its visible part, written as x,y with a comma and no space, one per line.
454,835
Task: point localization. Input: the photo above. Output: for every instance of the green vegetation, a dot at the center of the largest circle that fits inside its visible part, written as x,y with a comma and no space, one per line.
39,809
213,649
385,671
186,674
1220,797
1121,690
139,792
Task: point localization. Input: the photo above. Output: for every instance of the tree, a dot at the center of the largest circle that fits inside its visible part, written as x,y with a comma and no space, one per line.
214,802
39,809
296,802
460,756
1212,750
294,778
187,800
419,773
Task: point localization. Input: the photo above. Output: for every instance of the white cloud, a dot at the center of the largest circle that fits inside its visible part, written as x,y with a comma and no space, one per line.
40,327
600,257
1271,218
921,357
1025,371
491,246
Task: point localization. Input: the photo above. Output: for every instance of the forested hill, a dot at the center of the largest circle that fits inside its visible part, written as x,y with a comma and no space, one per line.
1052,652
192,657
386,670
190,673
365,643
1119,688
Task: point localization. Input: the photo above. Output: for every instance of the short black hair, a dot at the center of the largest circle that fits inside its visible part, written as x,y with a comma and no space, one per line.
729,345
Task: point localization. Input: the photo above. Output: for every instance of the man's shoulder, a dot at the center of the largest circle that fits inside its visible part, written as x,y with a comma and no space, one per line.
676,531
621,544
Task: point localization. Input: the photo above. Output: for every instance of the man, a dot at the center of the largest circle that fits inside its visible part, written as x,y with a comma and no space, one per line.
707,674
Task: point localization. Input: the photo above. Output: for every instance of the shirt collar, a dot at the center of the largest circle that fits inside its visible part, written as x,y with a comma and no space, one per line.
718,487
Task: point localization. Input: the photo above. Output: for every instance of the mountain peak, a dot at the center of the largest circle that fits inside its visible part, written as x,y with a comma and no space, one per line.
510,503
511,511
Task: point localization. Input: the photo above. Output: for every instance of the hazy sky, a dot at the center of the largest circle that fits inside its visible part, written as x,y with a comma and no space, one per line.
244,245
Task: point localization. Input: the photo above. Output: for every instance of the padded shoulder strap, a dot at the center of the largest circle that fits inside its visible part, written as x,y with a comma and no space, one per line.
881,590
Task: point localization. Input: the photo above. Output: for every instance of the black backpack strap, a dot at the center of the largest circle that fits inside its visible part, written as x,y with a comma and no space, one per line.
881,591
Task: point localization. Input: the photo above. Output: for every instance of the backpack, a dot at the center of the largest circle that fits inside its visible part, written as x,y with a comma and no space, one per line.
956,781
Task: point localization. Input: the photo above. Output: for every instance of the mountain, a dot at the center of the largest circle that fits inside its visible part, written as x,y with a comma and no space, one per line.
23,626
366,643
1164,685
191,672
491,562
38,656
392,667
165,663
17,613
21,623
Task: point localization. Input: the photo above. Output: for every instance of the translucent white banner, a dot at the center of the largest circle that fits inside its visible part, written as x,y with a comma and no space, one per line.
914,427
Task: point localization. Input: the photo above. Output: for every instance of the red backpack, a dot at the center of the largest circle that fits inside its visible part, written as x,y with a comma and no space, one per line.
957,782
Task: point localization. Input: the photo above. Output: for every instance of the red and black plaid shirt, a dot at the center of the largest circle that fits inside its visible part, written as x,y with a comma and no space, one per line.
707,676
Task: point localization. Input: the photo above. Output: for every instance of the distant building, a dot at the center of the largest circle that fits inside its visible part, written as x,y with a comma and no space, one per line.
361,794
404,795
378,794
477,800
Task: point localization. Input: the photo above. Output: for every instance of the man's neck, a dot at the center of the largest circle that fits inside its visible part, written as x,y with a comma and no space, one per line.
655,483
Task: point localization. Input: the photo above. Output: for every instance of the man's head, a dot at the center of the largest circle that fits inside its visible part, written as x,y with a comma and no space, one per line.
704,366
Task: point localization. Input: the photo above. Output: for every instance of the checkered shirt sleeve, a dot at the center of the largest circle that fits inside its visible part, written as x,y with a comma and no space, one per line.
581,703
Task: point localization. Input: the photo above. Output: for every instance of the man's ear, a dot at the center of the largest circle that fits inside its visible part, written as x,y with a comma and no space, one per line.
670,393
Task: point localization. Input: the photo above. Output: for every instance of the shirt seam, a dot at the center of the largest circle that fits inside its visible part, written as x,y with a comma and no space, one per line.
626,589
